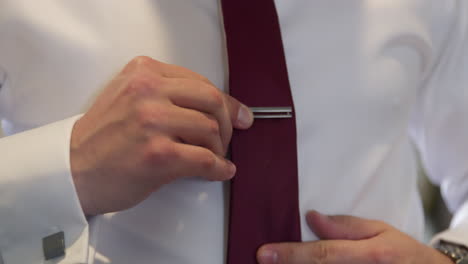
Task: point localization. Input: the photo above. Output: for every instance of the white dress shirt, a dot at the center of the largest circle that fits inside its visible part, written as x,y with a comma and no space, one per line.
365,75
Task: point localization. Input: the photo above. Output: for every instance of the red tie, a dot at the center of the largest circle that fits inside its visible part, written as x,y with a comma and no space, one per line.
264,204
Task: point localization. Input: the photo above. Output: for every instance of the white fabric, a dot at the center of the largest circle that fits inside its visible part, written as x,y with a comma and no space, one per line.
441,127
458,229
361,72
37,198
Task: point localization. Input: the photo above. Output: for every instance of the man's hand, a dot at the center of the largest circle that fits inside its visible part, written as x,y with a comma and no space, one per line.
154,123
351,240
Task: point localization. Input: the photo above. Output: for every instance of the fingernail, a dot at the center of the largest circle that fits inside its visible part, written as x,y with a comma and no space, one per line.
317,220
316,214
267,256
232,168
244,117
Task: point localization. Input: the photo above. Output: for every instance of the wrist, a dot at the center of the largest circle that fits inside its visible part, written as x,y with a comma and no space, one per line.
78,169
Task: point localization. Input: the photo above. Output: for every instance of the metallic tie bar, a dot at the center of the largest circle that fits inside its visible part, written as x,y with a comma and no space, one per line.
272,112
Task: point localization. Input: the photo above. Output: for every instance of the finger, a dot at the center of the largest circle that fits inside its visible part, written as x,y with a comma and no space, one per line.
194,128
195,161
323,252
194,94
205,98
343,227
180,124
241,115
186,93
208,99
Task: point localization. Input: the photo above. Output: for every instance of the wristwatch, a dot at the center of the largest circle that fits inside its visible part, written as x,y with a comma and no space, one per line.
457,253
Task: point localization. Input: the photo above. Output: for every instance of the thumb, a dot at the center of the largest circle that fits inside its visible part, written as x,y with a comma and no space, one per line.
241,116
344,227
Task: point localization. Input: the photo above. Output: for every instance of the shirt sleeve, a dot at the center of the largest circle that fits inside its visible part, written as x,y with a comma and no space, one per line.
38,197
440,124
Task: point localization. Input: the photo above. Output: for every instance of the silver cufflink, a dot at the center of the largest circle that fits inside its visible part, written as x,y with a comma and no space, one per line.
54,246
272,112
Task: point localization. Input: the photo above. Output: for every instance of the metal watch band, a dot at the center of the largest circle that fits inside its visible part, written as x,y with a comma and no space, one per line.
457,253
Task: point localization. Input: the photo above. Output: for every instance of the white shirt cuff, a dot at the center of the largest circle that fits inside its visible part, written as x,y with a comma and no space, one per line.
458,231
38,197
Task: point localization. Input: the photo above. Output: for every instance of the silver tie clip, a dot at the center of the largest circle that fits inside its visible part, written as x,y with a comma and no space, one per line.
272,112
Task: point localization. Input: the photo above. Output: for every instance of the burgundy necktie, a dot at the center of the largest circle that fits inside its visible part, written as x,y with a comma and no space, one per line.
264,204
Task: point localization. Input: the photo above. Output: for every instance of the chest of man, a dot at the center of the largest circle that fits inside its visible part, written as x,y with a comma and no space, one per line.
356,68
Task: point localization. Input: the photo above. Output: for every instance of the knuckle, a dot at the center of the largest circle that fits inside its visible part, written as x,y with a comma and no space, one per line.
137,63
216,97
139,84
208,161
383,255
143,114
150,116
161,153
287,255
144,84
141,61
322,253
214,128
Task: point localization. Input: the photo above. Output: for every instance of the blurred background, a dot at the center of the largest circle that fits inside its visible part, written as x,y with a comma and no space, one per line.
437,214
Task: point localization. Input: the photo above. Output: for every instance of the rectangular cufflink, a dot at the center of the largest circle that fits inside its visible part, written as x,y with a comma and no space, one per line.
272,112
54,246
